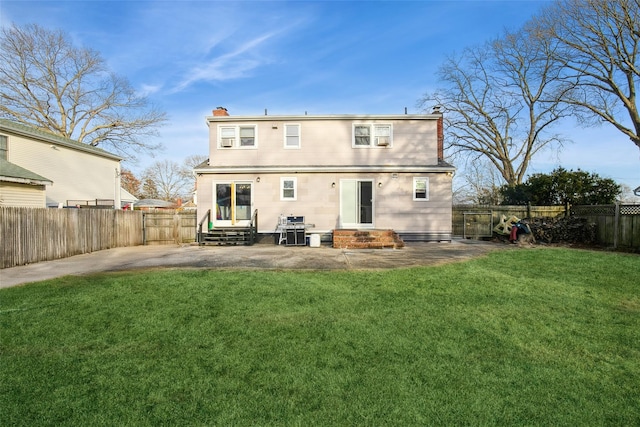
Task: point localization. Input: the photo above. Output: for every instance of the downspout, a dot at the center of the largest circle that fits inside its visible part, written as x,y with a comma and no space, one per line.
440,138
117,201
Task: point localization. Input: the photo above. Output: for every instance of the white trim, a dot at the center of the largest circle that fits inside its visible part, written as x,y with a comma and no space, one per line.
373,204
415,180
238,222
373,136
295,188
334,169
299,118
228,143
292,147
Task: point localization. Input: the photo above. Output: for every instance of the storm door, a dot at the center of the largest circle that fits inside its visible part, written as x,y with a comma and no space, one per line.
232,203
356,203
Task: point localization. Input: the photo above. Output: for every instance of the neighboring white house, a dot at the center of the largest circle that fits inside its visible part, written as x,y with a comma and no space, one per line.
20,187
337,171
70,173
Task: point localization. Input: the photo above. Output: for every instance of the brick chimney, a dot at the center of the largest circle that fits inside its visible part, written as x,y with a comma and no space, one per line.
220,111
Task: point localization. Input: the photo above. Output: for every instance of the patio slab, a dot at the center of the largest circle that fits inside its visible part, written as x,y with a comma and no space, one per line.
259,256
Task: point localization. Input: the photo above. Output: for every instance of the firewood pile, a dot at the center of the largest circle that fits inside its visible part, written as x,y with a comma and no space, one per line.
562,230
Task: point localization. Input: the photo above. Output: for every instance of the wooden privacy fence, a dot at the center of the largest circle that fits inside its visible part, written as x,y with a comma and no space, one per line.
29,235
478,221
617,226
162,227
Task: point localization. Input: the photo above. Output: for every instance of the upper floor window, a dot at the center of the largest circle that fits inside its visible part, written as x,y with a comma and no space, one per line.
3,147
237,136
420,188
288,188
372,135
291,136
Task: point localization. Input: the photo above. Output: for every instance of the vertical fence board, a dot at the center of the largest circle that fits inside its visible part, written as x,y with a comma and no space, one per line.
29,235
623,232
169,226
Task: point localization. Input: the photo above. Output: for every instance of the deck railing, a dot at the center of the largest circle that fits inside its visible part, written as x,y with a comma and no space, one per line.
207,218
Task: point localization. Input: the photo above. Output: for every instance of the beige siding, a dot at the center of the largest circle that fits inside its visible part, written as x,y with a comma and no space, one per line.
76,175
329,143
21,195
319,202
327,156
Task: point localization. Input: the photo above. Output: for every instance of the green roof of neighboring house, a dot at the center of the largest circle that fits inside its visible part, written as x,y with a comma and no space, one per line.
46,136
14,173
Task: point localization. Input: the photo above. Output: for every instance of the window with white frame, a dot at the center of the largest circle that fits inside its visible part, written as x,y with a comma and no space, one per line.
288,188
292,135
421,188
372,135
237,136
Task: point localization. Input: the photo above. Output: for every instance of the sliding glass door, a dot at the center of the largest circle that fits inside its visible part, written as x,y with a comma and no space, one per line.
232,203
356,203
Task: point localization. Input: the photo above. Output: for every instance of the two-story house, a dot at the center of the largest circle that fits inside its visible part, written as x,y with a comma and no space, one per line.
337,171
40,169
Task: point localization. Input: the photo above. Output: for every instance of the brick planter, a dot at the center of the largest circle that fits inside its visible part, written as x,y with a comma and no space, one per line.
366,239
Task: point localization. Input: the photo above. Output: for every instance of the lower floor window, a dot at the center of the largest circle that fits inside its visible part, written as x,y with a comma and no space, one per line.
420,188
288,188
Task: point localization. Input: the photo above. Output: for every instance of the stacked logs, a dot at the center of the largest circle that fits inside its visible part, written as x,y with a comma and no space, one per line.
562,230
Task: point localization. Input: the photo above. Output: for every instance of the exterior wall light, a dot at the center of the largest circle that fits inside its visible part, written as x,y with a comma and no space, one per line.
333,185
258,179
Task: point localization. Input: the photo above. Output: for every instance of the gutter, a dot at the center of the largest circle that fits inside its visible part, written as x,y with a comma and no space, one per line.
323,169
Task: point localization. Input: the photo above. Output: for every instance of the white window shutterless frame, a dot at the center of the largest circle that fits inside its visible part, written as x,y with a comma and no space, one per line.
244,136
232,203
291,135
372,135
421,189
288,188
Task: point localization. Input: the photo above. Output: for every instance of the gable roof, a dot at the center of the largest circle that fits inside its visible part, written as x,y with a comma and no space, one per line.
50,138
10,172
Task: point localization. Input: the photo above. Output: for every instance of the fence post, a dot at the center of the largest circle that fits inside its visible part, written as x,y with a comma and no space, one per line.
177,229
616,225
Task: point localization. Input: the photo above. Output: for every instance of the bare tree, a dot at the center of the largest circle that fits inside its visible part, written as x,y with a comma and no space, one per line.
478,184
47,82
168,178
598,48
499,102
191,162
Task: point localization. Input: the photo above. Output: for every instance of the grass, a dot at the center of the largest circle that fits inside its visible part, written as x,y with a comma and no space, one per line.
529,337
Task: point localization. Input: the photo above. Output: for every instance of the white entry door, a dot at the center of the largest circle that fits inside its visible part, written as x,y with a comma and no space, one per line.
356,203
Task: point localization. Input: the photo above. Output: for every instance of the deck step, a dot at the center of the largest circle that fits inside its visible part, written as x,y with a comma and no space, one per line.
227,236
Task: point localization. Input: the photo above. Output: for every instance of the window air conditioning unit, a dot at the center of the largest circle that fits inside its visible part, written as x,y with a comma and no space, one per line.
382,141
227,142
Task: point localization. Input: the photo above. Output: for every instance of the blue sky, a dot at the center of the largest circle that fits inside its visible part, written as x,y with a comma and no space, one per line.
320,57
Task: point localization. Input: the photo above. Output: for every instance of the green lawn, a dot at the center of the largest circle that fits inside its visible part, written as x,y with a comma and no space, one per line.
538,336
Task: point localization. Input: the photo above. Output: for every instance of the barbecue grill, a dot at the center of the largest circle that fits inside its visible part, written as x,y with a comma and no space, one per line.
292,230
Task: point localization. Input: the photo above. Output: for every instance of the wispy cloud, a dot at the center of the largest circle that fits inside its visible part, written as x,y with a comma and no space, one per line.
232,65
147,89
